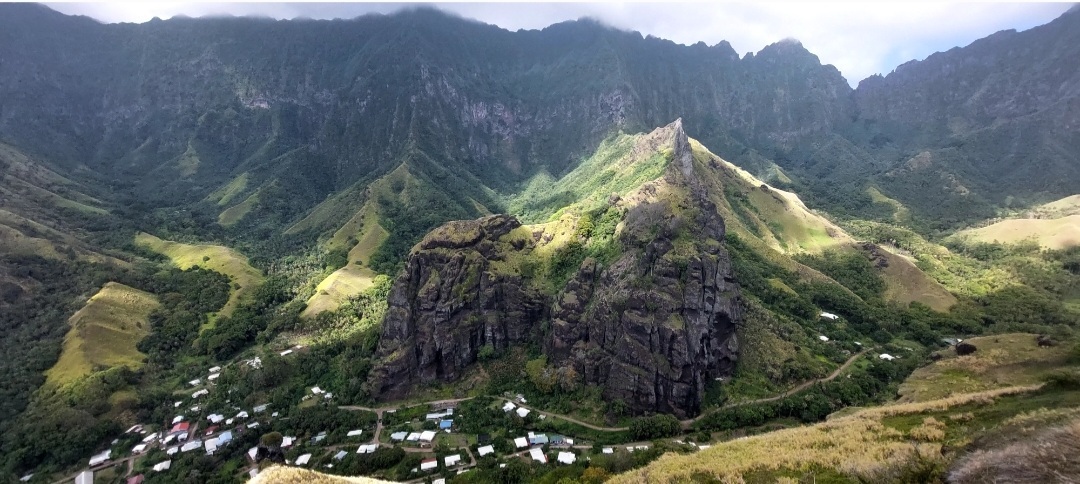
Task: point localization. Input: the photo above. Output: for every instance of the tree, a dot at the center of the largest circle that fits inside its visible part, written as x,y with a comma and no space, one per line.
595,475
271,440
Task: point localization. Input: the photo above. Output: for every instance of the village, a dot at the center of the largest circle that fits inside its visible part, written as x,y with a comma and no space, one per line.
425,442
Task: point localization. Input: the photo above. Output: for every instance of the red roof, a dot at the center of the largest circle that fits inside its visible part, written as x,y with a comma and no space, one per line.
135,479
425,461
180,427
211,430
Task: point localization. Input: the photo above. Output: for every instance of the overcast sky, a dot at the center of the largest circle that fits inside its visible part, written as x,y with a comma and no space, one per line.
860,39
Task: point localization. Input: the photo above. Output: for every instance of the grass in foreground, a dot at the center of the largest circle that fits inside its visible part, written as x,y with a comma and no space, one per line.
104,333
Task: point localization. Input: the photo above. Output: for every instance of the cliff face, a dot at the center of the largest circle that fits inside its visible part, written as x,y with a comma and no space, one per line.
449,302
651,327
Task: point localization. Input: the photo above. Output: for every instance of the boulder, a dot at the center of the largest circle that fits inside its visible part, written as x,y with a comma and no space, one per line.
965,348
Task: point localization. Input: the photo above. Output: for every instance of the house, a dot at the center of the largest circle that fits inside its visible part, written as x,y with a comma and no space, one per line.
413,437
522,412
608,450
194,444
354,433
225,438
286,353
287,442
538,439
556,439
427,436
303,460
210,431
134,428
215,369
830,316
196,382
242,415
428,464
213,377
101,458
162,466
136,479
138,449
253,425
445,424
177,404
886,357
823,338
181,428
400,436
566,458
172,450
439,415
215,418
177,419
211,446
200,393
319,438
317,390
439,481
151,437
703,447
195,409
569,441
340,455
26,478
485,450
260,408
537,454
367,449
253,453
508,406
452,460
85,477
521,442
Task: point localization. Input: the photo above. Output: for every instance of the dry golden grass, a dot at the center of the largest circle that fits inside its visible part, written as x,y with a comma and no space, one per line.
1057,233
906,283
355,277
1049,457
1001,361
104,333
858,445
293,475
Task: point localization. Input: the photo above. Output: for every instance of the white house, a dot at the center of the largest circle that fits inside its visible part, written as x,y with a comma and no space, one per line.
537,455
829,316
138,449
242,414
413,437
194,444
286,353
253,453
287,442
303,460
177,419
399,436
508,406
367,449
823,338
452,460
608,450
427,436
213,376
200,393
162,466
522,412
101,458
521,442
195,382
429,464
354,433
215,369
210,445
886,357
485,450
172,451
567,457
85,477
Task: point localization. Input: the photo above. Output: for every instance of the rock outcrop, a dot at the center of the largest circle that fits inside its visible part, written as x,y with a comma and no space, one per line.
651,327
449,303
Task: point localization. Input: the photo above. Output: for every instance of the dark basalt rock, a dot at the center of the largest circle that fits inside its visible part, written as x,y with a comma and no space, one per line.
965,349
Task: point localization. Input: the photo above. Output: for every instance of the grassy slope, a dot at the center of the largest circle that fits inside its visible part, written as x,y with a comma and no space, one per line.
1055,225
906,283
293,475
214,257
104,333
1001,361
355,277
870,445
222,196
233,214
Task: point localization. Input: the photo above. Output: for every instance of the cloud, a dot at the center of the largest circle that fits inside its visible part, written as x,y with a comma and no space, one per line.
860,39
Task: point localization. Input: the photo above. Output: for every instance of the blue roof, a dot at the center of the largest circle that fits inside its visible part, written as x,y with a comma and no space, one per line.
445,424
224,437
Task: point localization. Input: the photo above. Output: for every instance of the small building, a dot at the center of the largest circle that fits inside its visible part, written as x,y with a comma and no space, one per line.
260,408
196,382
215,418
556,439
162,466
608,450
428,464
823,338
177,419
242,415
508,406
340,455
427,436
367,449
521,442
181,428
101,458
136,479
138,449
566,458
225,438
319,438
253,453
886,357
537,454
354,433
445,424
439,481
452,460
85,477
703,447
829,316
485,450
287,442
253,425
200,393
211,446
400,436
413,437
317,390
26,478
172,450
215,369
194,444
538,439
213,377
286,353
522,412
303,460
